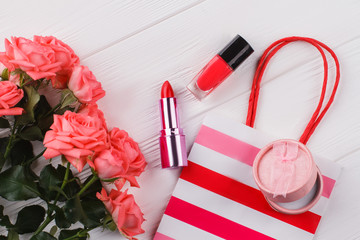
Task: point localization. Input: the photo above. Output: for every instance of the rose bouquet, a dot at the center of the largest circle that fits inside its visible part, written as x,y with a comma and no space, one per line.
74,129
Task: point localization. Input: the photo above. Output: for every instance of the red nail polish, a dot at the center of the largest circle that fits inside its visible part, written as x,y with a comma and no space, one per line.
220,67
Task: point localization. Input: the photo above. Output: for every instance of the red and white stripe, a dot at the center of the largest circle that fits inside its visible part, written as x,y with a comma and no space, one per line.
217,198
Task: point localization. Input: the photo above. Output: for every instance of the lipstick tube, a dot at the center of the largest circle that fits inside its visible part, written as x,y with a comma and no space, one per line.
220,67
172,138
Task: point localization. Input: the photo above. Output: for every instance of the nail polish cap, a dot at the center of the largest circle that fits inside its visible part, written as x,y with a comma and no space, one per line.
236,52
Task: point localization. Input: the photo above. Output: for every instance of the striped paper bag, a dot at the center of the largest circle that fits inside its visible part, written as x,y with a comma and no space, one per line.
216,196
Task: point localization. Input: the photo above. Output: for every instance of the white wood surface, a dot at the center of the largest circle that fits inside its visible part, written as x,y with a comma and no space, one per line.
134,46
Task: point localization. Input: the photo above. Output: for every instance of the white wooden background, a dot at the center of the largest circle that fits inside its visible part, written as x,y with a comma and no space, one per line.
134,46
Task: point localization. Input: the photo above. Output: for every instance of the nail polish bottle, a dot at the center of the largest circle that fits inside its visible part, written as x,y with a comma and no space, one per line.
220,67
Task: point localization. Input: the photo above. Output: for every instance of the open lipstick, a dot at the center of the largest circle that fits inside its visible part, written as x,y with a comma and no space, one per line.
220,67
172,139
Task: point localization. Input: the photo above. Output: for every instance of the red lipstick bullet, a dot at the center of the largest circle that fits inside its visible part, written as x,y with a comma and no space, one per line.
172,139
220,67
166,90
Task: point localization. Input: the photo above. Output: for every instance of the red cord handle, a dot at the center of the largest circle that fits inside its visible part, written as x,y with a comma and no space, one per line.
267,55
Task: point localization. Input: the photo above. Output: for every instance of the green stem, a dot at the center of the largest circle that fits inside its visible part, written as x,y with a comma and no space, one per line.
50,215
48,219
34,158
80,234
38,83
72,237
92,180
21,80
9,145
65,181
52,110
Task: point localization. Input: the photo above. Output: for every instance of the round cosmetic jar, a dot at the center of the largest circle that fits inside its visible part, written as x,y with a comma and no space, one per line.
288,177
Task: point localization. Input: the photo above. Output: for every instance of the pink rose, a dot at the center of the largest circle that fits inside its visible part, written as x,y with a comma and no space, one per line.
77,136
84,85
64,55
2,68
15,78
36,60
130,150
109,164
10,95
124,211
122,160
93,110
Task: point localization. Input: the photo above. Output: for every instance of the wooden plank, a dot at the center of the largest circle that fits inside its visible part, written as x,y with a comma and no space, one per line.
87,26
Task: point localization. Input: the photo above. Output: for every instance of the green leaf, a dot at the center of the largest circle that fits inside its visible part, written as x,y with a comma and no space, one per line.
2,161
43,236
67,98
45,123
33,98
12,235
32,133
43,118
4,219
17,71
59,190
89,212
29,219
17,184
49,178
31,175
109,223
81,233
95,211
21,151
72,187
3,237
53,230
4,123
3,144
61,111
42,108
5,74
60,219
72,210
110,179
90,193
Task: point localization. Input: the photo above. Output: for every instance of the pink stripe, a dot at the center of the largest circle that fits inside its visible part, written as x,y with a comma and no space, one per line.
160,236
241,151
226,145
210,222
329,184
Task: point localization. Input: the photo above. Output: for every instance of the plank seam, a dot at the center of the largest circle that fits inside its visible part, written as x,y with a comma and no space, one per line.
143,28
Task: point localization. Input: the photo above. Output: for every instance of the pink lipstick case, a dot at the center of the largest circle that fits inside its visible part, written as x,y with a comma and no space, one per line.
172,139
